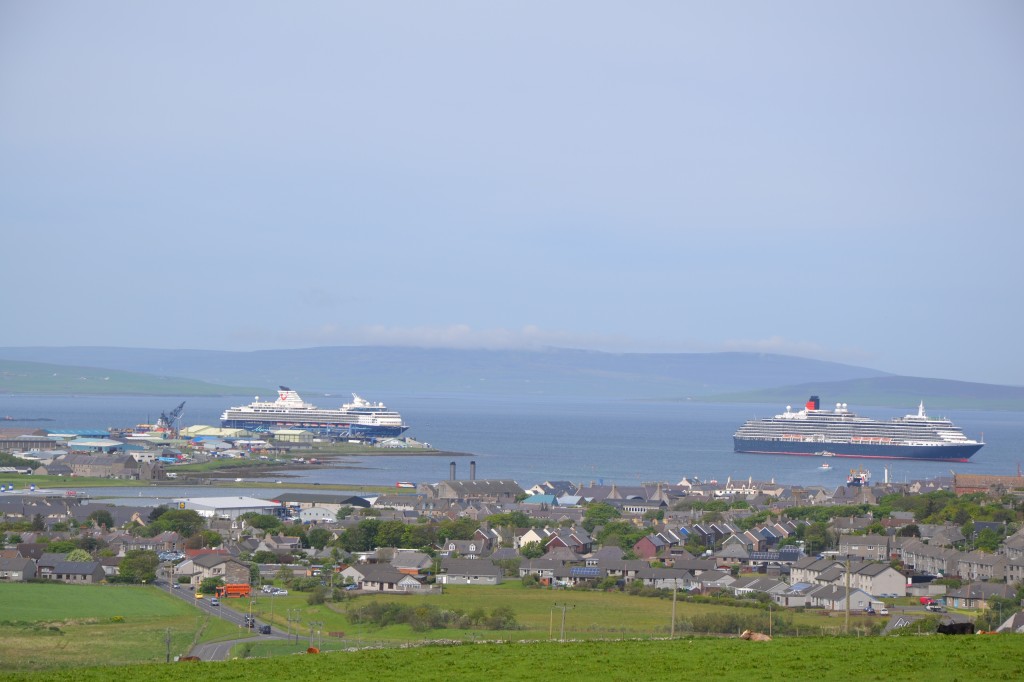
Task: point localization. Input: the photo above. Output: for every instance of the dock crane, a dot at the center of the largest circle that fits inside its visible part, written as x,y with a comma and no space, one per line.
170,423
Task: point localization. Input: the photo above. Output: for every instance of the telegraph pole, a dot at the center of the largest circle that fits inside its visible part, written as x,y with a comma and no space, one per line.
167,638
564,607
675,587
847,594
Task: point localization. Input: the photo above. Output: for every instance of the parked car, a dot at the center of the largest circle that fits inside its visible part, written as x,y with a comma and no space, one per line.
883,611
353,586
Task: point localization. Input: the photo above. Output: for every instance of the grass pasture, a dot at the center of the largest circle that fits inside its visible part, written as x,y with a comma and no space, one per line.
48,626
588,615
932,657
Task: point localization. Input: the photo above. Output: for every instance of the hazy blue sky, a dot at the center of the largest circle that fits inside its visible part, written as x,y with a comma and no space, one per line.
842,181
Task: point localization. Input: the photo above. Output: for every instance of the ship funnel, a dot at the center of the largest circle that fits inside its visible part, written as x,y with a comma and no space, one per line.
472,471
451,471
813,403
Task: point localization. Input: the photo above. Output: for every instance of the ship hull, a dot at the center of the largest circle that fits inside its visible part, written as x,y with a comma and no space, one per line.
941,453
341,430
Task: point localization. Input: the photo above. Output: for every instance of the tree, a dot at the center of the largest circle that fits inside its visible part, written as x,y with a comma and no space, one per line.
139,565
38,522
532,550
267,522
210,585
319,537
598,514
185,522
62,547
79,555
909,531
816,536
211,538
102,517
264,556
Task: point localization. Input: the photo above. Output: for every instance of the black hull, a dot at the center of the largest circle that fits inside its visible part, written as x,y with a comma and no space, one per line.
938,453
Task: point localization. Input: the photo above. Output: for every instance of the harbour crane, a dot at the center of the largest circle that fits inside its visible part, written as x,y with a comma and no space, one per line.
171,422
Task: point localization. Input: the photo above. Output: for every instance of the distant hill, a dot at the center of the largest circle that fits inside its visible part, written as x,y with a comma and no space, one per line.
387,369
726,377
45,378
889,391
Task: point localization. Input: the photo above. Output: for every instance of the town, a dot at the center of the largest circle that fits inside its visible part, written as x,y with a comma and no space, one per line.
945,553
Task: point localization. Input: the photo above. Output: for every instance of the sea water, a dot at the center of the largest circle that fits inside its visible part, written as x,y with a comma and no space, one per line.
541,438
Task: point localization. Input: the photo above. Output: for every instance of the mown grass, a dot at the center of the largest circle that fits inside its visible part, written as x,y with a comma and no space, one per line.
930,658
49,626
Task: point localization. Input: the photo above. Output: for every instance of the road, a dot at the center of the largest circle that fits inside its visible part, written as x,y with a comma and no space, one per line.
217,651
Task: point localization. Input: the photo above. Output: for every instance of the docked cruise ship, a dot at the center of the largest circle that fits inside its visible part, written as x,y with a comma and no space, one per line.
357,419
839,432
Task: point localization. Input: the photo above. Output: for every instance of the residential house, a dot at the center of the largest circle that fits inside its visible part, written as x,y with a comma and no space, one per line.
467,549
469,572
650,546
17,569
222,566
977,595
381,578
981,566
667,578
575,539
79,572
412,562
867,547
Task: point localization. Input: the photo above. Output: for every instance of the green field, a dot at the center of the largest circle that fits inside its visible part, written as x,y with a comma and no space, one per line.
929,658
588,615
47,626
48,379
54,632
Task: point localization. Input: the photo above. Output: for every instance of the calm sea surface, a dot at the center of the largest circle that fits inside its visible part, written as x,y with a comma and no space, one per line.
546,438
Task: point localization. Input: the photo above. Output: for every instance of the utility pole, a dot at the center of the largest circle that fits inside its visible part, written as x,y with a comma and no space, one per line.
847,594
675,587
564,607
293,617
167,638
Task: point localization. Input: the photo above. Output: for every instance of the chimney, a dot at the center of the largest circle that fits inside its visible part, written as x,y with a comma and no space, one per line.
472,471
451,469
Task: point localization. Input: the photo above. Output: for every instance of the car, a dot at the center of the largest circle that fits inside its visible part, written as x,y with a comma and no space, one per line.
264,629
280,593
883,612
176,586
353,586
215,602
250,621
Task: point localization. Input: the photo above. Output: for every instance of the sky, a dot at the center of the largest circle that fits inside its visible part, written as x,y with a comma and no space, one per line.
841,181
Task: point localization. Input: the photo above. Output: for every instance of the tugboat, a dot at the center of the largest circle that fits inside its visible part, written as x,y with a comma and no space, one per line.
858,477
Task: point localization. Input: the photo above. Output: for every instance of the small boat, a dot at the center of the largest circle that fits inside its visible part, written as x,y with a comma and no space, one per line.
825,466
238,480
825,453
405,484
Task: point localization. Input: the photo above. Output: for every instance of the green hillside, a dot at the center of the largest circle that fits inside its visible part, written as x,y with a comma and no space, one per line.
43,378
890,391
930,657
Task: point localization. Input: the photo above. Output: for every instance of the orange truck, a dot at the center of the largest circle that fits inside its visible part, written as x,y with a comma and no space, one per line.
234,590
